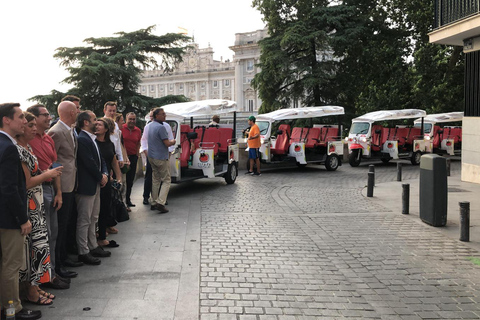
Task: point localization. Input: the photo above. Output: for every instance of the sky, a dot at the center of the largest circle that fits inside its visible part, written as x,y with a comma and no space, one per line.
30,31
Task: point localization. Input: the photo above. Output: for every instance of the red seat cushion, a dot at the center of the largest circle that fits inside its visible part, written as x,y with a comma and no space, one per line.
225,135
281,145
313,137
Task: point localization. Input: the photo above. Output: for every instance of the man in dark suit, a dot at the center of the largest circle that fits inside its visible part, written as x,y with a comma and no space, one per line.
14,223
92,174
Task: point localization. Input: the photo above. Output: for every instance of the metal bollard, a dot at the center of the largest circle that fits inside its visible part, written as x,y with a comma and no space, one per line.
405,198
399,171
448,167
371,180
464,221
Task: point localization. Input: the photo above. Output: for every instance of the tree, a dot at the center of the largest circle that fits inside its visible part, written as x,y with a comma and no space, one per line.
109,68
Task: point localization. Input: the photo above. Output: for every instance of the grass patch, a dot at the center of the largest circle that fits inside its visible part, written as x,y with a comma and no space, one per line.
474,260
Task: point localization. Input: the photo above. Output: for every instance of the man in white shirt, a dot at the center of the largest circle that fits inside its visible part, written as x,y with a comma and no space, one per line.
109,110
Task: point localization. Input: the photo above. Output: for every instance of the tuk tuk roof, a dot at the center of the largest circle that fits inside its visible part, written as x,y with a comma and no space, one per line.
199,108
299,113
390,115
443,117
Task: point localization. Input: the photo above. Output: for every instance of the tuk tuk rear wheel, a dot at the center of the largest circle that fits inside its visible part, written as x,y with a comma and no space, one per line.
416,156
355,158
231,174
332,162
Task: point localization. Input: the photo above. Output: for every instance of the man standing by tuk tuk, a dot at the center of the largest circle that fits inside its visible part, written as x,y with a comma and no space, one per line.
254,144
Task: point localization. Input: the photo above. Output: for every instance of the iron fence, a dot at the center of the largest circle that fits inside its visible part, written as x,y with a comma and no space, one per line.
449,11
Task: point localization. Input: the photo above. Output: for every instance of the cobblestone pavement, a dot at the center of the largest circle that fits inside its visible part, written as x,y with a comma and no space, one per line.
305,244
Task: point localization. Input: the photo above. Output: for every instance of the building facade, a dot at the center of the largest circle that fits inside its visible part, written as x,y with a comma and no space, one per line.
457,23
200,77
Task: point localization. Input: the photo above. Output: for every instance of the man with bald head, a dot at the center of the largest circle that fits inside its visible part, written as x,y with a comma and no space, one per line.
66,147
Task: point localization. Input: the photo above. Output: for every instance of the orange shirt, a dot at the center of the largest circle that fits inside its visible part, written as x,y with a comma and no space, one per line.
254,143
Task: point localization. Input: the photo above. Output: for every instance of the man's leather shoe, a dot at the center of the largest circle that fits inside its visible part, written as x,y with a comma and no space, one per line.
56,283
89,259
66,280
129,204
26,314
72,264
159,207
100,252
64,273
145,202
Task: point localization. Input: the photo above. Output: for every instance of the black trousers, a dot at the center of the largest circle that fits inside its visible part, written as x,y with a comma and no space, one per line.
64,218
147,184
131,175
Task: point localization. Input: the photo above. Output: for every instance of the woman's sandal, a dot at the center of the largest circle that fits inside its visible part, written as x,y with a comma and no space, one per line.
46,294
42,301
112,230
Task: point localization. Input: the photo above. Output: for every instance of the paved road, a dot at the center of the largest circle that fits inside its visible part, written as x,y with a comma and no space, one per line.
293,244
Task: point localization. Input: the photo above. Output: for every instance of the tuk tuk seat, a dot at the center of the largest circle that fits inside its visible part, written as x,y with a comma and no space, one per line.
225,135
281,146
313,138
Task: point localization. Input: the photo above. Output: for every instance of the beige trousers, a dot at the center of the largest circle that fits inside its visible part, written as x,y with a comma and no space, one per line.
11,260
160,175
88,208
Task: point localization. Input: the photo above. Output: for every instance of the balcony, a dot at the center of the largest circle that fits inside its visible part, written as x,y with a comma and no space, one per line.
455,21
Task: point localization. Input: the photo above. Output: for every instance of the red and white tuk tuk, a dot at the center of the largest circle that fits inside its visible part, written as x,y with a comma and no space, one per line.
202,151
443,139
286,139
383,135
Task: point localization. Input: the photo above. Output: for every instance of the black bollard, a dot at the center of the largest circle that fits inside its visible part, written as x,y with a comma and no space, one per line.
399,171
448,167
464,221
371,180
405,198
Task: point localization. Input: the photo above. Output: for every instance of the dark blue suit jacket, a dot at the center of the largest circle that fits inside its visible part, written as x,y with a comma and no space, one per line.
13,192
89,168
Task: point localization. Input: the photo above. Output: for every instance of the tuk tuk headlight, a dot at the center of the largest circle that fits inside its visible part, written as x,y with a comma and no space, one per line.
363,139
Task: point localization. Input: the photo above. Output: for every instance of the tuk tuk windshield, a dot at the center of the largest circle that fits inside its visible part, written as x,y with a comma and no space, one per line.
360,128
263,126
427,127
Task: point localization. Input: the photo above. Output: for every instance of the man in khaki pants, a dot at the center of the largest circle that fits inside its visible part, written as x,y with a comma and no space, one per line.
14,223
158,155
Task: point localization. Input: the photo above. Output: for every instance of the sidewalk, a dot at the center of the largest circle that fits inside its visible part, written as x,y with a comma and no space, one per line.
389,194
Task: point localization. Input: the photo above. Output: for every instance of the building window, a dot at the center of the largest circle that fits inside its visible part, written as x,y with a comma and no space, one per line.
170,87
250,105
152,88
215,83
160,87
202,85
144,89
247,80
227,83
180,86
250,65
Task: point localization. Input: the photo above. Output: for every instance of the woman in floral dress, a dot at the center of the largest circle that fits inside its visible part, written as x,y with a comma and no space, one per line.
37,268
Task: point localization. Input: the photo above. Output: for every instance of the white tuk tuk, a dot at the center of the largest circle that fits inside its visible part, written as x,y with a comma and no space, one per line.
368,139
202,151
303,143
443,139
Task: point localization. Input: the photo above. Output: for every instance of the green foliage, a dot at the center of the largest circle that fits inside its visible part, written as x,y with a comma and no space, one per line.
377,57
109,68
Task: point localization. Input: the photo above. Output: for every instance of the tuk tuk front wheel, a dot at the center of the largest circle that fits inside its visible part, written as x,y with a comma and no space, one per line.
416,156
332,162
355,157
231,174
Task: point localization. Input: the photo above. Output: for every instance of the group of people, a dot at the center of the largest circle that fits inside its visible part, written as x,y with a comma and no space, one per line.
56,180
56,184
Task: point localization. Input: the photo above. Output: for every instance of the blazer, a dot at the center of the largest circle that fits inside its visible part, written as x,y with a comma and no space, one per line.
89,167
13,192
66,148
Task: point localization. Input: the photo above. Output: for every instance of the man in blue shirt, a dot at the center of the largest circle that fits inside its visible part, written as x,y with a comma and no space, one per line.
158,155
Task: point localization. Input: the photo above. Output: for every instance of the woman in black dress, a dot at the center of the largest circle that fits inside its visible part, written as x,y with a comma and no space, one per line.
104,127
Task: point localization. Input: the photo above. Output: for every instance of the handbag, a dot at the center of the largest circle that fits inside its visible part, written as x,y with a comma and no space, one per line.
118,207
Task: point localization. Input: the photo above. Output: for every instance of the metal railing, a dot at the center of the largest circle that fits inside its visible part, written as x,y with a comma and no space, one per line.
449,11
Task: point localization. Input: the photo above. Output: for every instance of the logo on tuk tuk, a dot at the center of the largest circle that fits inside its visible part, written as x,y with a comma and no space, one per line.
232,155
331,148
203,157
417,146
297,148
449,143
390,145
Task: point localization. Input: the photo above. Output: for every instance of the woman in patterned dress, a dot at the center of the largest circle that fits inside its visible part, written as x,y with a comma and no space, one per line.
37,268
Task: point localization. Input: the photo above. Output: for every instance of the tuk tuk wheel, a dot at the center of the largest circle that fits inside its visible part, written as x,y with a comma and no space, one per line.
301,165
332,162
416,158
355,158
231,174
